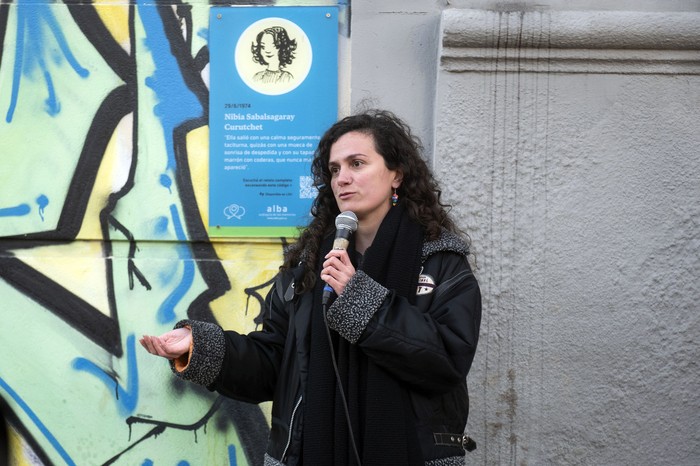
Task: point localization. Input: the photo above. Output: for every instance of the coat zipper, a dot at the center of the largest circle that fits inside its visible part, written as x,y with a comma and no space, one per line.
291,424
446,286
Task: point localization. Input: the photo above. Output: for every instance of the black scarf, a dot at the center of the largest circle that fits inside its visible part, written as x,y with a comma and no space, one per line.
380,412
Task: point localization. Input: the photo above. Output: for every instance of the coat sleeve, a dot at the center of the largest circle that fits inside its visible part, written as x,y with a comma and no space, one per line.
430,344
243,367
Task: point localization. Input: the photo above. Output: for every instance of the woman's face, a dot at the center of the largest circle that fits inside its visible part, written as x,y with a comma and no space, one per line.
360,179
268,50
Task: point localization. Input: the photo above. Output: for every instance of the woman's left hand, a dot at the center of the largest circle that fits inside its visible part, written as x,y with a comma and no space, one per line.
337,270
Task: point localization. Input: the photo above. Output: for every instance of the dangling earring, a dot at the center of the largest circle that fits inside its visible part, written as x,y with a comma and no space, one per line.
394,198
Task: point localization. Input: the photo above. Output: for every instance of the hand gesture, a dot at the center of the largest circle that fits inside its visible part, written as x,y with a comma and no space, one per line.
171,345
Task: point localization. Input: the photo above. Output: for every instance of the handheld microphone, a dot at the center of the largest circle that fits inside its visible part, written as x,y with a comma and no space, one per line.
346,225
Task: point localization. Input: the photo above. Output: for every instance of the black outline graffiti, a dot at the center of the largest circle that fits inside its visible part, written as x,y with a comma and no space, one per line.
4,13
103,329
161,426
51,294
13,421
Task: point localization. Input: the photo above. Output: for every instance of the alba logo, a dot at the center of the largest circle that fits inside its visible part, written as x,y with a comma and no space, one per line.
276,209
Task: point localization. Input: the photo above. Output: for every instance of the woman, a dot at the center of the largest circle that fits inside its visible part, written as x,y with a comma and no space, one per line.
378,377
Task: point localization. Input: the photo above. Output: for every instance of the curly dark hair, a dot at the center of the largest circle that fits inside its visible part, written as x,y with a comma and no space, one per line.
419,191
284,44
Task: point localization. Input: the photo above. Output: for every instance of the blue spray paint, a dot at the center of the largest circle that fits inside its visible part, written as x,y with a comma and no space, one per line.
167,182
166,312
232,455
15,211
126,398
37,422
31,48
161,225
42,201
176,103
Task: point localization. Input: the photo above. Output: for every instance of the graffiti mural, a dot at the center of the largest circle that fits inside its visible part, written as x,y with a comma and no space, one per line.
103,195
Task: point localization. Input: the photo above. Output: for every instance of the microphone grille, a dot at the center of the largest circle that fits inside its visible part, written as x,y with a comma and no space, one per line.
346,220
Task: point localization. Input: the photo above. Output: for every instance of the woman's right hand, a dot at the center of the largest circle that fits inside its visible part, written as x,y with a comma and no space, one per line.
337,270
171,345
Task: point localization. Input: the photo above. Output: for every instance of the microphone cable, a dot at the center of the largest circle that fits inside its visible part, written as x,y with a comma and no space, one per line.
340,386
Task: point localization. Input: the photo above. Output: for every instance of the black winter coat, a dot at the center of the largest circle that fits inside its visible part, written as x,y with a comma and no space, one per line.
428,346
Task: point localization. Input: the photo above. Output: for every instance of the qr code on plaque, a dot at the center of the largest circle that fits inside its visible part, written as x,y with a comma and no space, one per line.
307,190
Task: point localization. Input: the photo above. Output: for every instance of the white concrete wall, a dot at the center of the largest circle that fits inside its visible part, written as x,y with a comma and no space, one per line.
567,136
394,54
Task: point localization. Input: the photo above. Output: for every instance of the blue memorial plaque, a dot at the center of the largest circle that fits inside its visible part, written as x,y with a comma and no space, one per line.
273,92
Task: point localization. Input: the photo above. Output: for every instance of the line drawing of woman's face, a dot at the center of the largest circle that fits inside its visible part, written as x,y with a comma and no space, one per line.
269,52
273,48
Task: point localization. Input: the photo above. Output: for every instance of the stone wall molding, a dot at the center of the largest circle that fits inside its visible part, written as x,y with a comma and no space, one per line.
626,42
